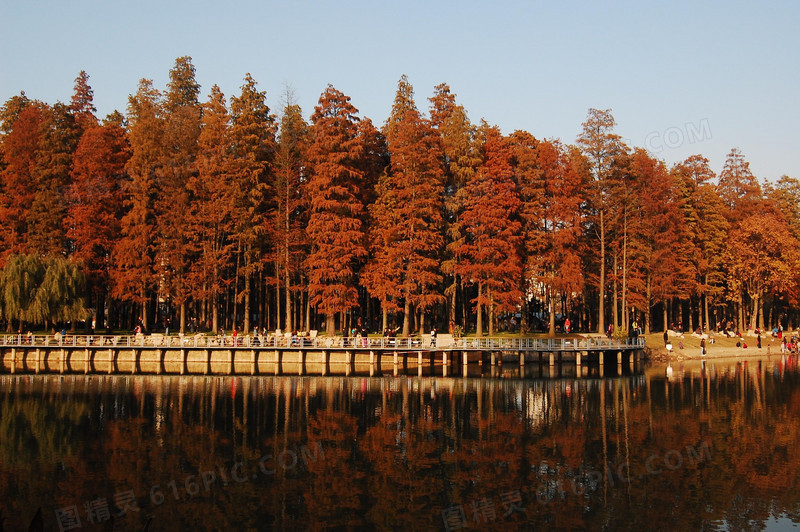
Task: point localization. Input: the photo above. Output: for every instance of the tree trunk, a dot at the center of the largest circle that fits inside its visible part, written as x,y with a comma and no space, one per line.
451,310
602,288
277,295
236,285
330,324
407,316
308,311
754,313
647,314
740,312
625,318
144,311
214,316
246,311
709,325
479,317
464,307
769,322
491,316
551,330
615,295
287,283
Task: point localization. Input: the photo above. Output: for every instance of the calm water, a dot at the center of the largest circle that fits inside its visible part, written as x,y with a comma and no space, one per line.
713,447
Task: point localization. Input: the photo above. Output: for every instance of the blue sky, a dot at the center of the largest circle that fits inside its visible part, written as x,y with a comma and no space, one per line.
680,77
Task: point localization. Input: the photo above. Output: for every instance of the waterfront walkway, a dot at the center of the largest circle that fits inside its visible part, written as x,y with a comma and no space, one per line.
279,353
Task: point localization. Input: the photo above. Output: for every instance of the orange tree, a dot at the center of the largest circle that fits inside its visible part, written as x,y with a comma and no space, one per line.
334,190
490,256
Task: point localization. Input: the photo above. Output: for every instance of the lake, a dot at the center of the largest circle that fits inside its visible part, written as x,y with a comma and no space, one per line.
711,446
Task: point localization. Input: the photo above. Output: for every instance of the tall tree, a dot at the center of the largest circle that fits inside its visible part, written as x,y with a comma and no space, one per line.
785,196
37,149
181,129
706,229
95,203
335,226
82,104
290,215
460,157
551,191
134,278
738,187
211,208
742,194
408,213
253,137
490,255
602,148
659,248
20,146
757,266
58,140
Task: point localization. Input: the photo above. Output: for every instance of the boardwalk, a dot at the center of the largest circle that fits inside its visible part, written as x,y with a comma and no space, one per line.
279,353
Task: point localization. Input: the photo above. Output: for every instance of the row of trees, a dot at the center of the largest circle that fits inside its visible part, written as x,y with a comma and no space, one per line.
222,214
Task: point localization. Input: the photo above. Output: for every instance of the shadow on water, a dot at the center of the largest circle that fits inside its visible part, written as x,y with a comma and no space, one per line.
709,446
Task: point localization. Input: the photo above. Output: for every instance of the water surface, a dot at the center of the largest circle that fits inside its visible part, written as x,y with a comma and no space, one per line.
713,446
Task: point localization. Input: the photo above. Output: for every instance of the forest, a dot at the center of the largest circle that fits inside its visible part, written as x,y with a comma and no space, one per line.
200,215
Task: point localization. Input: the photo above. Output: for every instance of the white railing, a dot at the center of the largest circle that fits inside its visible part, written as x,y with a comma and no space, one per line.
324,342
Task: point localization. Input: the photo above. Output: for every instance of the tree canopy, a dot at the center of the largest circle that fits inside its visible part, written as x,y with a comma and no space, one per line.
219,214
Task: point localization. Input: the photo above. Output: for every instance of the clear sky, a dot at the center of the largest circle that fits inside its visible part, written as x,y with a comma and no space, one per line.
680,77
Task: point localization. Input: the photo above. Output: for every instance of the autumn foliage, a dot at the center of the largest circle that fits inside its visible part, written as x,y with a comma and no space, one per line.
212,213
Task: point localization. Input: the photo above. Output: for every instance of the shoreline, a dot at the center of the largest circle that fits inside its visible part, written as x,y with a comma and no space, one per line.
722,348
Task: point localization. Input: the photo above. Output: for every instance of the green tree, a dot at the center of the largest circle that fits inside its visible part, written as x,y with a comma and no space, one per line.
41,290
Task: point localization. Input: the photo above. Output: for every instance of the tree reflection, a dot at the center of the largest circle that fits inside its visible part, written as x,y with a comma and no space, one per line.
710,447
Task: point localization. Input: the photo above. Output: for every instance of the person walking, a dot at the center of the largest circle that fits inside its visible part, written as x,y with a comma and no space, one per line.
702,347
